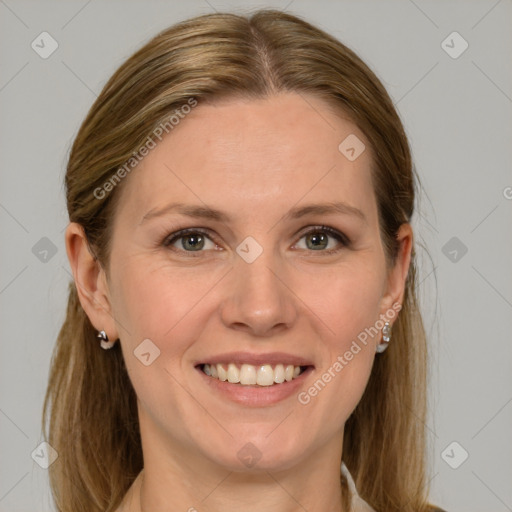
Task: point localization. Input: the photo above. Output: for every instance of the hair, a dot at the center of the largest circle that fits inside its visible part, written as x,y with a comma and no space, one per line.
210,57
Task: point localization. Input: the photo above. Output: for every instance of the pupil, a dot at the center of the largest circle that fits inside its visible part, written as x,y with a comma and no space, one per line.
319,241
193,242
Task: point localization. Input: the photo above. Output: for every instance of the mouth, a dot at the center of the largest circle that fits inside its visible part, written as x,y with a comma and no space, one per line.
248,375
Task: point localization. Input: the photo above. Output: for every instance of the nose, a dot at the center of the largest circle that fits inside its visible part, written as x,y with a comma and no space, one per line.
259,301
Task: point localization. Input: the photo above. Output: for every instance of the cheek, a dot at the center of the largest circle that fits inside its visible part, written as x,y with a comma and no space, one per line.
159,303
345,299
165,307
346,302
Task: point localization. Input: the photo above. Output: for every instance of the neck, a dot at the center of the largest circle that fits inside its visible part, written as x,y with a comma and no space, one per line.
313,486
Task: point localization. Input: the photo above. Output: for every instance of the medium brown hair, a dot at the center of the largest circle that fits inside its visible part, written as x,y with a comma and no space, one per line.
90,406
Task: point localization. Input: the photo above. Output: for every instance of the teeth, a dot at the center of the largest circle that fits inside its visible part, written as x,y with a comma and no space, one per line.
233,374
249,375
288,373
279,374
221,373
265,375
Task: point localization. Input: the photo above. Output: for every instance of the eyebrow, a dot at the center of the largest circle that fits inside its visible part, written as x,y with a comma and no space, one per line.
205,212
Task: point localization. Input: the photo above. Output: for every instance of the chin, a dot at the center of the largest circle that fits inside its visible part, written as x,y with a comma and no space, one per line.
259,451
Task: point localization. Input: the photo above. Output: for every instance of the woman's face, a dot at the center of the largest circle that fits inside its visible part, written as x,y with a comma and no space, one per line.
257,283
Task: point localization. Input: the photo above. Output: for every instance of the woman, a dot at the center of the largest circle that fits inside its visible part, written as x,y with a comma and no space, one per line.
240,198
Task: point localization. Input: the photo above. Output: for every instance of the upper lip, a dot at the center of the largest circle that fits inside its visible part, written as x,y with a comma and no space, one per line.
271,358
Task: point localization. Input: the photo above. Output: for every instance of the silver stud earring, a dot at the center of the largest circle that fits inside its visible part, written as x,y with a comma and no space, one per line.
386,336
105,343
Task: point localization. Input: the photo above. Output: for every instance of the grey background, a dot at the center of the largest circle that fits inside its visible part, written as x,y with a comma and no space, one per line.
457,113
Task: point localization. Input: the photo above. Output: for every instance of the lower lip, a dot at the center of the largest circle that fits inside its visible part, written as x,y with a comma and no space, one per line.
256,396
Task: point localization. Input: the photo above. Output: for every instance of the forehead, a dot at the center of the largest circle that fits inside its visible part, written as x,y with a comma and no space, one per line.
246,154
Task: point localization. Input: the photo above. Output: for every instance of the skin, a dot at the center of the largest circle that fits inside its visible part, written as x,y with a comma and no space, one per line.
254,160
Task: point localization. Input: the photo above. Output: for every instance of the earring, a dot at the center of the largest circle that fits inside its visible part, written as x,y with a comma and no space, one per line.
105,343
386,336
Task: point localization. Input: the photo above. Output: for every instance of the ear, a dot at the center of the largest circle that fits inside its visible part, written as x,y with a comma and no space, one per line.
90,280
397,275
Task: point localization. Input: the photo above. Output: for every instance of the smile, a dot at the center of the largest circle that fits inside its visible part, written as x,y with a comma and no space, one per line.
253,375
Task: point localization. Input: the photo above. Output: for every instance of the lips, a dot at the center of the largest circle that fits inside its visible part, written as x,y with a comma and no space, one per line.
271,358
255,395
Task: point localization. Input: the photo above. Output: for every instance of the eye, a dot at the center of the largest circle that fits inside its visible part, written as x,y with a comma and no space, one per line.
190,240
320,238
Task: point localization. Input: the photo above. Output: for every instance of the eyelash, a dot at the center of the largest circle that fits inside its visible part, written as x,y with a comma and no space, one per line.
173,237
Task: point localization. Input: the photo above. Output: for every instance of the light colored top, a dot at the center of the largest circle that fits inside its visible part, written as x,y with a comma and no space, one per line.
358,504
